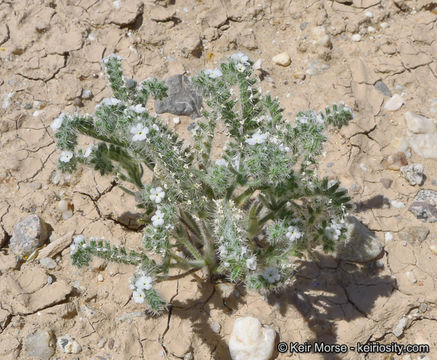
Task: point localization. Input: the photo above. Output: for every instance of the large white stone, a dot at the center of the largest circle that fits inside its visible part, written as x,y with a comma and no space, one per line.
424,145
250,340
417,124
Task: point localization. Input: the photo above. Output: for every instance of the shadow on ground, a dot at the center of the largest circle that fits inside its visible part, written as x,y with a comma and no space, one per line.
325,295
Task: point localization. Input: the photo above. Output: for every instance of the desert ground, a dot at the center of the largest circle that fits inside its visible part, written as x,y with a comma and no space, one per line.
377,56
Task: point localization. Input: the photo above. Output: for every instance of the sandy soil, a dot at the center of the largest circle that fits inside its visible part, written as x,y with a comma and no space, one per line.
50,52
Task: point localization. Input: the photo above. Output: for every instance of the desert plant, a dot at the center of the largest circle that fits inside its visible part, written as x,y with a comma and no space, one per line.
244,215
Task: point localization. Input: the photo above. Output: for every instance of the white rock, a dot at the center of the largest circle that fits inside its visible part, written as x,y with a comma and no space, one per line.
250,340
394,103
397,204
388,237
257,65
384,25
399,329
100,277
369,14
418,124
282,59
176,120
424,145
411,277
320,37
414,173
371,29
356,37
68,345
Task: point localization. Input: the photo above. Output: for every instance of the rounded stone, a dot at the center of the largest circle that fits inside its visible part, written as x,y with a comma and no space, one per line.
282,59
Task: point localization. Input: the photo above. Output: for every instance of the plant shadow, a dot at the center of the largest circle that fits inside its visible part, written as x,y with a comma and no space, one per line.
198,311
325,292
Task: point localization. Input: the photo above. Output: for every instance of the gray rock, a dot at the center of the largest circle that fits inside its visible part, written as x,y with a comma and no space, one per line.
414,173
382,88
414,234
361,245
386,182
181,100
48,263
424,206
29,234
40,344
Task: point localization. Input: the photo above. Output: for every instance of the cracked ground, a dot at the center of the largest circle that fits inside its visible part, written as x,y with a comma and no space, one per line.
50,53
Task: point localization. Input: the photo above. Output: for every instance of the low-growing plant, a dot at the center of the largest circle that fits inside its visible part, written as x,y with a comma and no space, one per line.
244,216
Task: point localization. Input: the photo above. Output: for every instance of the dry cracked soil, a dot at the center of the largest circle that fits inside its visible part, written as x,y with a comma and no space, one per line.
361,52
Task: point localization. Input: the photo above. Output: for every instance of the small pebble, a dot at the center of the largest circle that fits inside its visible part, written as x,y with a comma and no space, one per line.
363,167
86,94
404,243
215,326
282,59
388,237
176,120
399,87
411,277
356,37
394,103
48,263
371,29
100,277
423,307
27,106
369,14
49,280
384,25
379,264
101,343
397,204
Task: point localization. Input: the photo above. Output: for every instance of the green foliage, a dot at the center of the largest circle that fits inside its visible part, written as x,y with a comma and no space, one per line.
245,215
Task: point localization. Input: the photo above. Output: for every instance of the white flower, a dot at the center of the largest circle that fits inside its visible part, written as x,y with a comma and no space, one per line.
57,123
157,194
109,57
257,138
332,233
76,241
222,251
109,102
284,148
140,132
139,296
213,74
66,156
251,263
88,151
244,250
271,275
155,127
240,67
158,219
139,109
240,58
221,162
293,233
144,283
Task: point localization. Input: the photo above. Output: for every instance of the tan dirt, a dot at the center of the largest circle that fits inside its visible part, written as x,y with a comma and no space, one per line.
50,52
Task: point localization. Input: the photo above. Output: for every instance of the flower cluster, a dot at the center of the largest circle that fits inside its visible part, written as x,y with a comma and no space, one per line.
244,215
